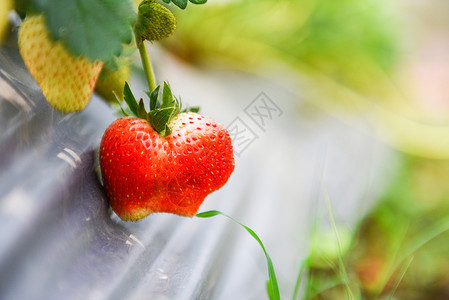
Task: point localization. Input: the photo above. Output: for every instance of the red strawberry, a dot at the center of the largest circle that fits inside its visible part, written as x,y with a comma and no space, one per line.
145,172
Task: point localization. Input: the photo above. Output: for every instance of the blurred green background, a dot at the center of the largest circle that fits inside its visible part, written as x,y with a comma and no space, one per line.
385,61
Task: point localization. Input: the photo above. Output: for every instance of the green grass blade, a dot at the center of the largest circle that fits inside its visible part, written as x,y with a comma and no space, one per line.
273,290
404,270
421,240
344,274
208,214
299,279
426,236
392,261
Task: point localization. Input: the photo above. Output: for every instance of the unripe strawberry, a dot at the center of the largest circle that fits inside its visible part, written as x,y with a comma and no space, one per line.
154,22
136,3
111,82
5,7
66,81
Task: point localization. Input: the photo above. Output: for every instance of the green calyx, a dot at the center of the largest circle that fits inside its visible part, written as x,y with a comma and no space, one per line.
154,22
163,108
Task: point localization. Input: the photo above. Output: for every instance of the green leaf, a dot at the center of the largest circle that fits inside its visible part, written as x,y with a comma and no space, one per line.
163,107
129,99
401,277
160,117
96,29
198,1
141,112
194,109
273,289
154,96
208,214
122,112
167,130
270,291
112,64
167,96
182,4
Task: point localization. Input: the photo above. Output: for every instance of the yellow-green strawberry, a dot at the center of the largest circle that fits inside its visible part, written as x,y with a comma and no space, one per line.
66,81
5,7
111,82
136,3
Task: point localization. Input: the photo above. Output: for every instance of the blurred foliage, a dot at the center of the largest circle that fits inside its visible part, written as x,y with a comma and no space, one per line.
352,41
409,227
341,56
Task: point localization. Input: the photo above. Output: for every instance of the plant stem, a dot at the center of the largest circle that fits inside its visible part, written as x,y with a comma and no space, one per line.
146,62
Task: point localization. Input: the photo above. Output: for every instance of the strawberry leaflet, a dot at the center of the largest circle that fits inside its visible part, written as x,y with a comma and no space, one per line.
93,28
163,108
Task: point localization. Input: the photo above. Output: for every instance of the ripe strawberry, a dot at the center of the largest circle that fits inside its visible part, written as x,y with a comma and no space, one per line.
66,81
145,172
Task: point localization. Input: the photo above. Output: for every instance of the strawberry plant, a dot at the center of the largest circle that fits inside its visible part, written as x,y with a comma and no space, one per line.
167,159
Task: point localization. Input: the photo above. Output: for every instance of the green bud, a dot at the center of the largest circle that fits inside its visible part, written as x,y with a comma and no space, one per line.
154,22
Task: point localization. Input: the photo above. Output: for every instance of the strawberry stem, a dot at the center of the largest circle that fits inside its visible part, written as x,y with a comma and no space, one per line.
147,67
